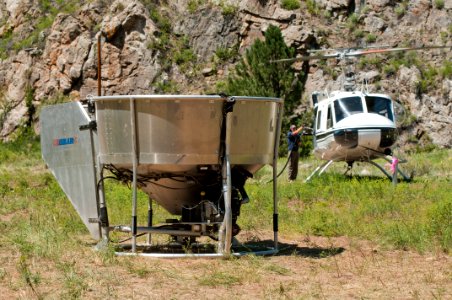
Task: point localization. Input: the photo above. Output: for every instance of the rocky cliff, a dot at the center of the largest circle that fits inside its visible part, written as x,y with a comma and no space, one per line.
48,51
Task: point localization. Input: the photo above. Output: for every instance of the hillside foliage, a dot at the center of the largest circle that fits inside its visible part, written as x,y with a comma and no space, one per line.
261,73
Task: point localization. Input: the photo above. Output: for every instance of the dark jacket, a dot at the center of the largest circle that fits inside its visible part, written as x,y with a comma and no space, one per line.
293,141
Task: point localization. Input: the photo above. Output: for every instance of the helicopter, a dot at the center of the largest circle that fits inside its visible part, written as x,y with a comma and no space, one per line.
354,125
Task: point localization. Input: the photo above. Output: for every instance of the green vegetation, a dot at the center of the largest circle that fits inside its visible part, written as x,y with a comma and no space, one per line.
413,215
428,79
6,41
162,22
358,34
228,10
290,4
446,70
369,61
49,10
257,75
371,38
323,64
44,242
400,9
184,56
444,36
439,4
223,54
430,75
172,49
352,22
312,7
166,87
193,5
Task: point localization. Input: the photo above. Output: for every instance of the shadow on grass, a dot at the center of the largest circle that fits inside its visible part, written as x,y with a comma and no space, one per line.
291,249
337,177
253,247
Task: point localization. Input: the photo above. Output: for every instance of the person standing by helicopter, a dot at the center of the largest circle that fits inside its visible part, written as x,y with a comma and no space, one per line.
293,141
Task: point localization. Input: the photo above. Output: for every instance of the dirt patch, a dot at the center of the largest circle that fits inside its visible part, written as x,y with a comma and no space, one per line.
306,267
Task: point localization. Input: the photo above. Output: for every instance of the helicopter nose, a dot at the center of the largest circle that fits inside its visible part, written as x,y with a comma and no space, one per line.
347,138
388,137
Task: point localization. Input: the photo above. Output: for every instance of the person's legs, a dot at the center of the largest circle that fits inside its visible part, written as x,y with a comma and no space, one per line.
293,165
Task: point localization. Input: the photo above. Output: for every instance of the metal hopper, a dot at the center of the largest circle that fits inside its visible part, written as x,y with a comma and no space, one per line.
191,154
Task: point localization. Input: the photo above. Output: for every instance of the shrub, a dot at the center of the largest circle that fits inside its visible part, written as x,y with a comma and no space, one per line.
444,37
184,56
228,10
50,10
369,61
224,54
193,5
312,7
352,21
256,75
439,4
290,4
358,33
446,70
390,70
371,38
6,41
166,87
400,10
162,23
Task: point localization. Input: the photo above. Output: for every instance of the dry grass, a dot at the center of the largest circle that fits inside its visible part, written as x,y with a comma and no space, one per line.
46,253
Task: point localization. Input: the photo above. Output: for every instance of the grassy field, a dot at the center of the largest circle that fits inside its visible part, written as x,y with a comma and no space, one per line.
46,252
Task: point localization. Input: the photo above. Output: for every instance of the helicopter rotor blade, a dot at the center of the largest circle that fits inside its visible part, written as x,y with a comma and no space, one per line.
386,50
350,52
341,50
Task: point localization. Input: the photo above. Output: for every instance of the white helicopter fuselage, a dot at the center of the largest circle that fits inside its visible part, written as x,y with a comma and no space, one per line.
353,126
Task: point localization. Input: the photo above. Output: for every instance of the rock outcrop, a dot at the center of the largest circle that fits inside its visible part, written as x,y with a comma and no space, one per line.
136,49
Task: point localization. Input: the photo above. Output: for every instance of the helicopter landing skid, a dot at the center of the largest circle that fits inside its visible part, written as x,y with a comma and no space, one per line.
392,177
320,169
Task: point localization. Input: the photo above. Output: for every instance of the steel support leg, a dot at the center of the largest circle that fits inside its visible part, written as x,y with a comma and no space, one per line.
275,176
150,214
134,175
103,213
225,232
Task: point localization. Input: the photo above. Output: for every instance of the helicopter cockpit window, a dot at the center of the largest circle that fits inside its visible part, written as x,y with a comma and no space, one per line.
381,106
347,106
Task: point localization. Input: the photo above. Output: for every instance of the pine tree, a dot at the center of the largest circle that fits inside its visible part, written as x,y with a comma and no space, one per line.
257,74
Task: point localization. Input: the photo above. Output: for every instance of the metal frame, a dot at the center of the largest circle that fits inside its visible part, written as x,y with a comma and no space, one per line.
225,231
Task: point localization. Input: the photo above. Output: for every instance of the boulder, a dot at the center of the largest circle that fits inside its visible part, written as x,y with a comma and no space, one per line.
374,24
16,82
